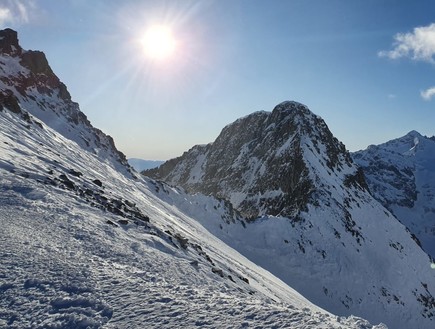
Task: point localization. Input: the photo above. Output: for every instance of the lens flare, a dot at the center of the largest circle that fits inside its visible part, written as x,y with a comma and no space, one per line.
158,42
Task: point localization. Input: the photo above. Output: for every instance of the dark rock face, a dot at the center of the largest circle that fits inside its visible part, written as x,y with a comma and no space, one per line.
41,76
358,179
9,101
36,62
9,42
259,163
390,172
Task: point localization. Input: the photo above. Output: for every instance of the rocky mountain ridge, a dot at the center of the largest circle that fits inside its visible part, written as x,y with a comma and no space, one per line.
261,162
401,175
29,86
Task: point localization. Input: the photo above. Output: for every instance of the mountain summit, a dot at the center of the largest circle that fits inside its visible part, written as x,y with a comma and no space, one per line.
311,219
264,163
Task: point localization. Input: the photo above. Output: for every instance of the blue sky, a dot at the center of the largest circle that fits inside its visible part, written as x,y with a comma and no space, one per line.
362,65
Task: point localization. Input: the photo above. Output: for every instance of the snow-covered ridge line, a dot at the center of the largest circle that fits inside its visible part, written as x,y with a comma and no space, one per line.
27,82
401,175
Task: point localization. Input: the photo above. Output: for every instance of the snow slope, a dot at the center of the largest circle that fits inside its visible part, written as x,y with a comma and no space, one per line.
311,219
401,175
86,244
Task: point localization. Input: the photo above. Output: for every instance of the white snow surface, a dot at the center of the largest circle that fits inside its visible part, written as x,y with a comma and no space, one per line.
381,277
64,266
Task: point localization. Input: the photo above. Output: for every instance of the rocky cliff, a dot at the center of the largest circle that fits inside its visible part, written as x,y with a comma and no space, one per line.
29,86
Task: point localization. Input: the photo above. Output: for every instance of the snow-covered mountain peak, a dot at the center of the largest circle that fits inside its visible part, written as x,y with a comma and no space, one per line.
411,144
29,86
401,175
284,111
309,217
248,161
414,133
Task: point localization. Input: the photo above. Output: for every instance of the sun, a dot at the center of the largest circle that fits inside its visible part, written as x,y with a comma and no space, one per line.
158,42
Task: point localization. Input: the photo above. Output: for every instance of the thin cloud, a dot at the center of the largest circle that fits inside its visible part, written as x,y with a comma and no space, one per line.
22,9
15,12
418,45
5,16
428,93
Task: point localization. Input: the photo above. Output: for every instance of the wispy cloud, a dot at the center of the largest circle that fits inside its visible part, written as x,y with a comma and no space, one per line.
15,12
22,9
418,45
5,15
428,93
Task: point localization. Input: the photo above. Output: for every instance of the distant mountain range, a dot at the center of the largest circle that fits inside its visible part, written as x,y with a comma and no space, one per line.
140,164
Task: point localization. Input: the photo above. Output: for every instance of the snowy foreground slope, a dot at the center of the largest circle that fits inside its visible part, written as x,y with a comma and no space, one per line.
311,219
86,244
401,175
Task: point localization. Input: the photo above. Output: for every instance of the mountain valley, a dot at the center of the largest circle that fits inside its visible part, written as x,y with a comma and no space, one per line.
273,225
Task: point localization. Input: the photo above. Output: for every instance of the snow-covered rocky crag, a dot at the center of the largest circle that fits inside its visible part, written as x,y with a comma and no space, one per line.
86,244
27,81
401,175
311,219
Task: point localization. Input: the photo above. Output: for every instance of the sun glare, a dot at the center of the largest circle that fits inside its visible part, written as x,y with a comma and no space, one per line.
158,42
